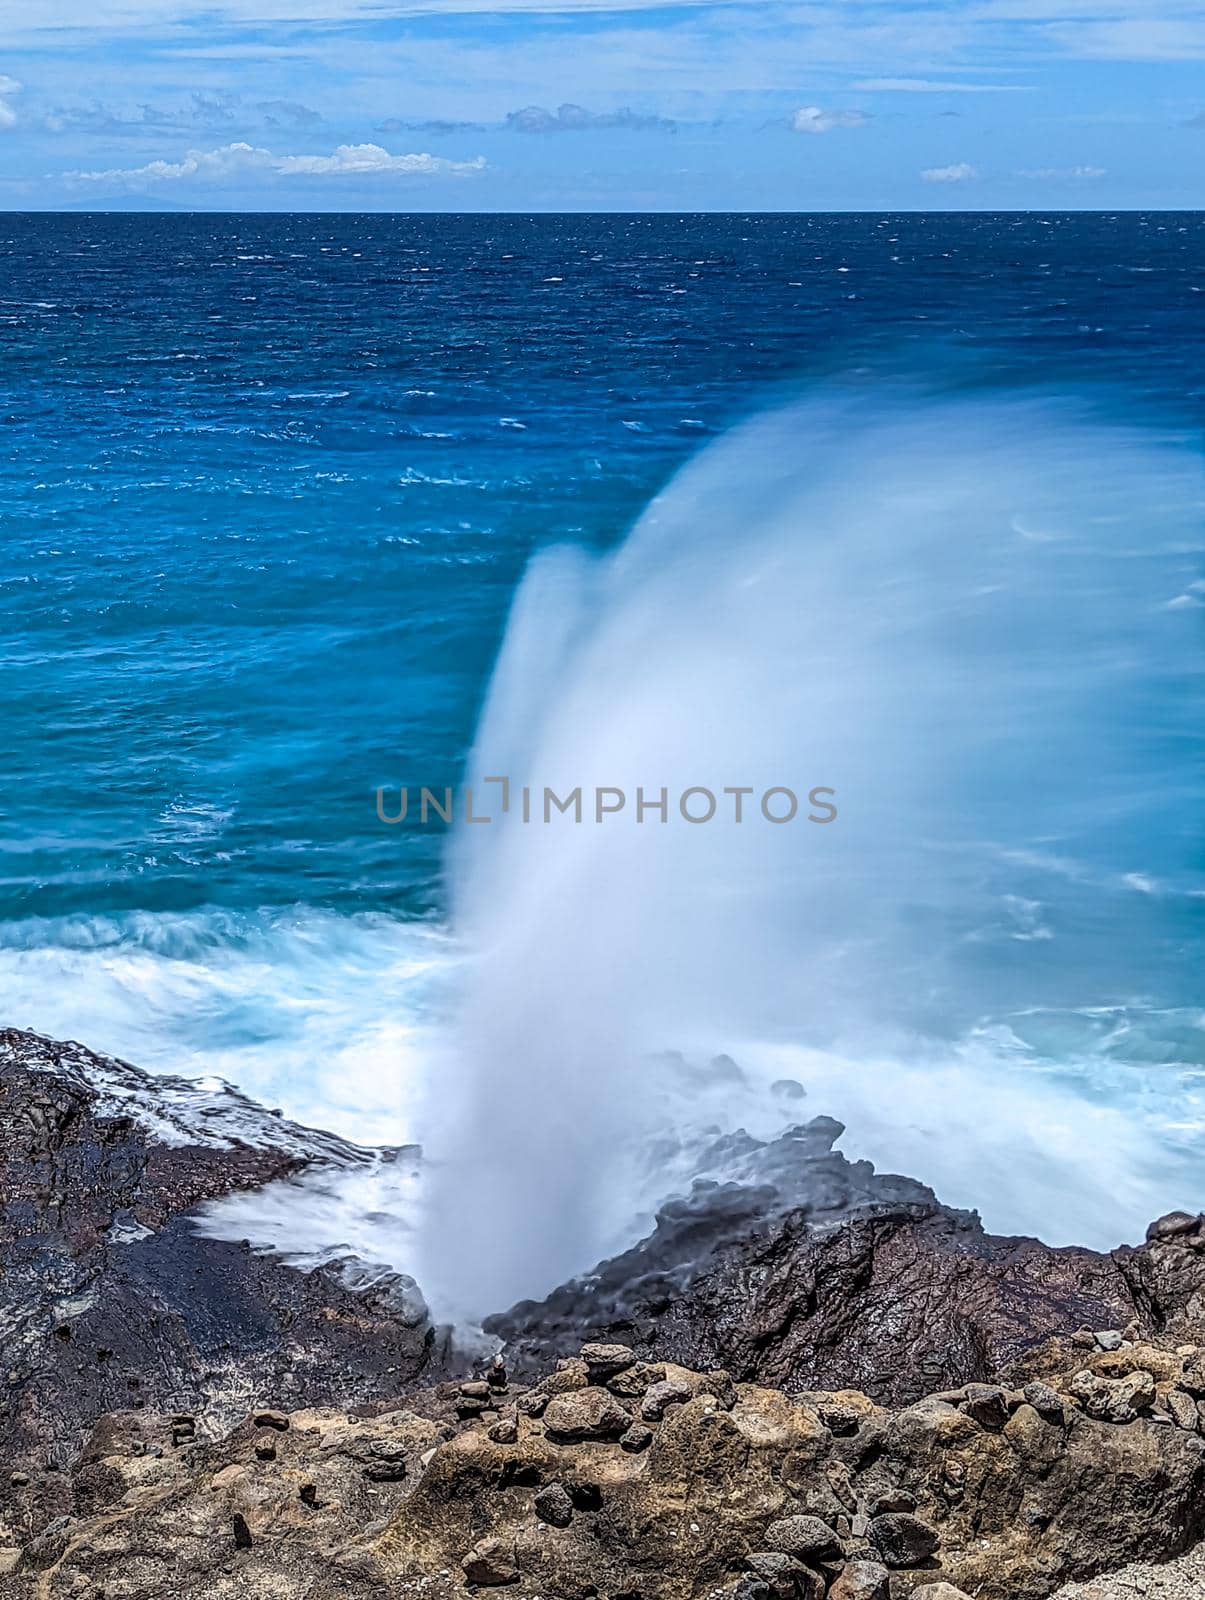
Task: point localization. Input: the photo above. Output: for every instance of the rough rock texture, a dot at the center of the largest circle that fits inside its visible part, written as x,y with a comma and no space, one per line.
108,1298
810,1381
1178,1580
868,1282
744,1494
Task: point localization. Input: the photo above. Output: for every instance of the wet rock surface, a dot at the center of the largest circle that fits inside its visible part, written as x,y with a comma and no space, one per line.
811,1381
867,1281
110,1301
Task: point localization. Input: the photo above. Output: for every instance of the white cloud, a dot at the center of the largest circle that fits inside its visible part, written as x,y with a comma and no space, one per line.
1132,39
959,172
8,87
934,86
1062,174
234,160
812,119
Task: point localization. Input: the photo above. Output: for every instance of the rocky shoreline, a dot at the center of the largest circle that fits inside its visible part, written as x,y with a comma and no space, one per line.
810,1380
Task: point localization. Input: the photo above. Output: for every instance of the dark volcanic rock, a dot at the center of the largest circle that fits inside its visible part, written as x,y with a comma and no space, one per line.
108,1298
821,1273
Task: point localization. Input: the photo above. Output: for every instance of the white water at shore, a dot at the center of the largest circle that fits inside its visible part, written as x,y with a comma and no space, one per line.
980,623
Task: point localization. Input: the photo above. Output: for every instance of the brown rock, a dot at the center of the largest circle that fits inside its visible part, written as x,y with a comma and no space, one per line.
806,1537
861,1580
591,1413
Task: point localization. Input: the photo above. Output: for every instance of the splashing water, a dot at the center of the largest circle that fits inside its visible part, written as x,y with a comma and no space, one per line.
978,620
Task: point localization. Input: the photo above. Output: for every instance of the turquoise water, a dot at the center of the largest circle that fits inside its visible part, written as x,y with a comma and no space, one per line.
268,486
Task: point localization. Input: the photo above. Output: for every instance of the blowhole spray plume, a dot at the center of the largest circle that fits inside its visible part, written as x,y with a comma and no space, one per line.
958,615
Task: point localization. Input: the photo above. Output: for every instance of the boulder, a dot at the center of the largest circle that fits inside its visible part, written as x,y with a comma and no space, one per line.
591,1413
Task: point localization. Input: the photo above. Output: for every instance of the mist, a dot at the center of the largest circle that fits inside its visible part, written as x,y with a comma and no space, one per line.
978,621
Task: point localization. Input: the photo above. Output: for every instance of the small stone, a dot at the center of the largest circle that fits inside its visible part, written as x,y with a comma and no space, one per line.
1183,1409
605,1361
1110,1339
587,1414
660,1396
388,1463
802,1536
271,1419
1084,1338
476,1389
490,1563
638,1437
632,1382
939,1591
554,1505
719,1384
1047,1402
861,1580
266,1451
242,1533
19,1479
987,1405
10,1559
902,1539
531,1405
506,1429
1192,1379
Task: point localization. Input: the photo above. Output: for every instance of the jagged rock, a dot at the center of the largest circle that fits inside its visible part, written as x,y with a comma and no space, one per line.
110,1297
764,1488
1183,1409
818,1273
1117,1400
987,1404
1110,1339
506,1429
902,1539
1173,1226
1047,1402
554,1505
1192,1378
638,1437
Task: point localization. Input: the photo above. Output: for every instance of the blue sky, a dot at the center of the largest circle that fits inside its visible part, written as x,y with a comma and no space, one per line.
470,105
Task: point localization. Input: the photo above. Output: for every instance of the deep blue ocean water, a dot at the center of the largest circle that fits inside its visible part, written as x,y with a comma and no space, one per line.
268,485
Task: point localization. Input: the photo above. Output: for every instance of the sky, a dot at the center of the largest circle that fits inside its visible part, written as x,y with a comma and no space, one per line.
548,105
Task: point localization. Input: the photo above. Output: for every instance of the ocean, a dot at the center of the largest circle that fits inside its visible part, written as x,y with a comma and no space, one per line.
908,506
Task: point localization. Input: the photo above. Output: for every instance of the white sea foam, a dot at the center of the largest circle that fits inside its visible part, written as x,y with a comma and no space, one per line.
951,612
847,592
